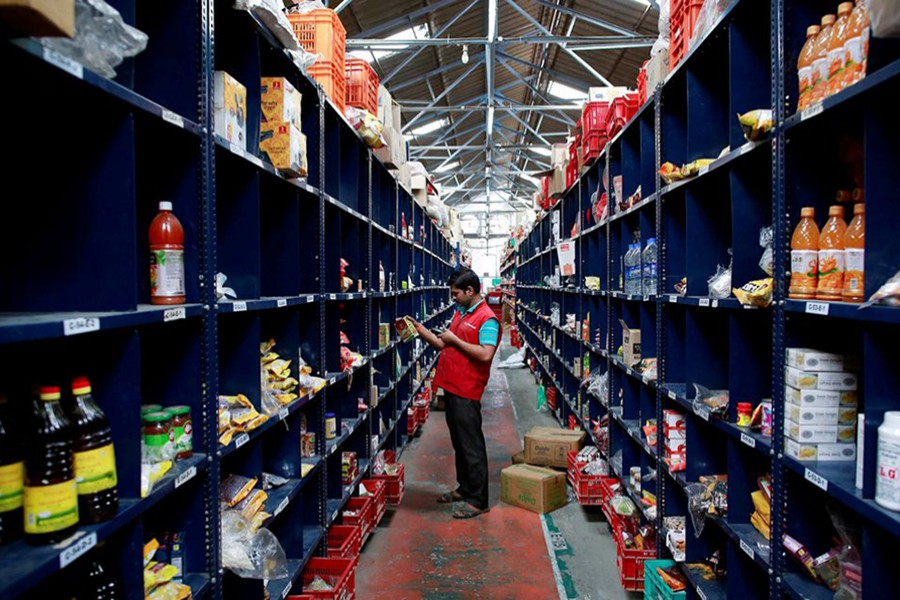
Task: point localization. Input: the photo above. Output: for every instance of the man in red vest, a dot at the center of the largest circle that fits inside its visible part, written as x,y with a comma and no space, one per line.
467,350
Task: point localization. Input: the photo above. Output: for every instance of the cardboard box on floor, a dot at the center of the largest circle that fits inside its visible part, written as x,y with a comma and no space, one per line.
549,446
533,488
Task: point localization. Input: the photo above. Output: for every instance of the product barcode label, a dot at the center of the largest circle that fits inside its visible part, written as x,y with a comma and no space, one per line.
281,506
332,296
646,298
672,395
701,594
173,314
77,550
239,306
287,590
702,414
65,63
747,549
241,440
170,117
714,304
816,479
748,440
185,477
673,299
80,325
646,379
282,302
283,413
331,381
310,298
812,111
704,301
817,308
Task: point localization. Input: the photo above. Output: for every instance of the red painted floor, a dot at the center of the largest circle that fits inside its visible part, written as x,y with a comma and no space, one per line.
419,551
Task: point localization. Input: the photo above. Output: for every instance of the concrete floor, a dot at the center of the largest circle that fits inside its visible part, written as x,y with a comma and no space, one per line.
420,552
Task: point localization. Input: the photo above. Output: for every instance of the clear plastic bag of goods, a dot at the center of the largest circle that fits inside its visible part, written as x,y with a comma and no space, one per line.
888,294
367,126
301,8
251,554
710,403
102,39
662,42
767,260
271,13
884,16
720,283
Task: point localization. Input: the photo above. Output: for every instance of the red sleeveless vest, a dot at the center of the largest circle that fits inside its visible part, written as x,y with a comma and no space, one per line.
456,373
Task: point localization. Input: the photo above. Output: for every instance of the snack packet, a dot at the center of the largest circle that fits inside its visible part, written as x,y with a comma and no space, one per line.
756,293
756,124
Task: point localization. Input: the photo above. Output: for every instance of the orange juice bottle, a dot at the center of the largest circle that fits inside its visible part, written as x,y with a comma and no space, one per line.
854,256
856,48
831,256
820,60
836,53
804,66
805,256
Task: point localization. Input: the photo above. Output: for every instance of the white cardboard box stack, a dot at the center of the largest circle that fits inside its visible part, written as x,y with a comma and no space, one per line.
393,154
820,399
674,437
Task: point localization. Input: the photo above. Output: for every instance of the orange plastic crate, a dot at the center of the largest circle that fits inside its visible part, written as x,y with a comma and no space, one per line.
344,541
339,572
333,81
362,85
321,32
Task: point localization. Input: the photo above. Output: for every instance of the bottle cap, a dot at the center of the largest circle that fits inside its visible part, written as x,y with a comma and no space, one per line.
807,211
179,410
812,30
845,8
165,206
81,385
159,416
859,209
828,20
50,392
835,211
892,418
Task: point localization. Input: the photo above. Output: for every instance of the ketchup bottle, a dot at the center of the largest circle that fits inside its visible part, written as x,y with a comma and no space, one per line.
166,257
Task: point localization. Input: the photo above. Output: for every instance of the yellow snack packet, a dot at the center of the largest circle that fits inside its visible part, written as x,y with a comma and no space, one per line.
266,347
755,293
157,574
150,549
756,123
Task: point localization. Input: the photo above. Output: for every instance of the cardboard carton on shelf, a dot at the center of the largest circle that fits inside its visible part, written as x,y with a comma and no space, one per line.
280,101
657,70
826,452
533,488
605,94
806,359
631,344
559,155
39,18
230,109
812,398
834,381
550,446
284,146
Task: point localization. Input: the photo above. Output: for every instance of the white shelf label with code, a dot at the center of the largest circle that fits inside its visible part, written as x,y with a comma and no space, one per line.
281,506
241,440
332,296
812,111
701,594
77,550
170,117
672,395
65,63
173,314
282,302
816,479
286,590
748,550
704,301
185,477
310,298
747,148
283,413
673,299
236,149
239,306
703,415
748,440
714,304
817,308
80,325
703,170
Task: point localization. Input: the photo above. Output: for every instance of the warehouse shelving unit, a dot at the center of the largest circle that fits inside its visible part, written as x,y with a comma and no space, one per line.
719,343
78,297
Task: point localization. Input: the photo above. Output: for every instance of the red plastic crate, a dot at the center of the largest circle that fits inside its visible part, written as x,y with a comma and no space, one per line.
592,145
320,31
331,77
362,85
642,84
412,420
365,520
514,339
545,191
344,541
571,173
593,119
378,490
301,597
620,111
395,486
338,572
573,422
551,397
631,564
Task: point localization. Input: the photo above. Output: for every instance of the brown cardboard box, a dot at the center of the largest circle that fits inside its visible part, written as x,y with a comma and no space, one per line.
548,446
518,458
657,70
631,344
533,488
39,17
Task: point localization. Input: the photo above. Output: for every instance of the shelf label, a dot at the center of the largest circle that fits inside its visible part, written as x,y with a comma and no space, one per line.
170,117
748,550
310,298
77,550
673,299
714,304
239,306
282,302
748,440
747,148
817,308
185,477
283,413
173,314
646,298
704,301
332,296
702,415
241,440
701,594
287,590
672,395
816,479
65,63
236,149
281,506
331,381
80,325
812,111
703,170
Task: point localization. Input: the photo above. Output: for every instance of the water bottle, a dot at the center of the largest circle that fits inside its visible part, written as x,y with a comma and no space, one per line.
650,267
629,270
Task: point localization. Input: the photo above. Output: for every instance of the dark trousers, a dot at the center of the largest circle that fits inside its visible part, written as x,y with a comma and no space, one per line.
464,421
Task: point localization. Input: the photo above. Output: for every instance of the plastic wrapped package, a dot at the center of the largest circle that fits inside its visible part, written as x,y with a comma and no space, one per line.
367,126
884,16
756,124
301,8
720,283
222,292
710,402
102,39
662,42
888,294
850,581
271,13
251,554
767,260
571,322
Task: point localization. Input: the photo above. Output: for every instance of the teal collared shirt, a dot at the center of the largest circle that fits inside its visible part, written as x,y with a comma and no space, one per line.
489,333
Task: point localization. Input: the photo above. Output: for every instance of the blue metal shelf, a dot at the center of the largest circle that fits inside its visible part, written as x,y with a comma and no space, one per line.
280,588
198,582
631,372
236,306
633,429
263,165
747,539
714,589
725,161
352,425
242,439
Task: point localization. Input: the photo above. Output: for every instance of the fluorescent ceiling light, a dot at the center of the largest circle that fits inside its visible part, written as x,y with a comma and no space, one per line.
561,90
490,118
428,127
447,167
542,150
419,32
492,19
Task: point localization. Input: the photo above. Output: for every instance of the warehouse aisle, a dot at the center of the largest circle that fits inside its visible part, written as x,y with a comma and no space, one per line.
421,552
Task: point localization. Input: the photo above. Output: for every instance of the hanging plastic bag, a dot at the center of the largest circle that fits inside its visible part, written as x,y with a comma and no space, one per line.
271,13
850,578
698,505
884,16
767,260
249,554
888,294
541,397
720,283
710,403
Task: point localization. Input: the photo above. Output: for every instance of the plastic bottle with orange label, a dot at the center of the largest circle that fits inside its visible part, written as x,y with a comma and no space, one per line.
820,60
836,53
805,256
805,67
831,256
855,256
856,48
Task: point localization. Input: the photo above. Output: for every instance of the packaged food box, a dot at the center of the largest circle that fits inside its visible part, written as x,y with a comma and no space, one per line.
674,446
230,109
834,381
820,452
820,398
280,101
807,359
284,146
811,416
631,344
384,335
673,418
405,328
674,433
550,446
820,434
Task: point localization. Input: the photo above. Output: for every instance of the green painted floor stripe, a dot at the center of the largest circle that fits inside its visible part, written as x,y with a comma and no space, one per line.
564,583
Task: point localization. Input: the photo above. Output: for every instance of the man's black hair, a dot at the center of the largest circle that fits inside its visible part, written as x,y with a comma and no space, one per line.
464,278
